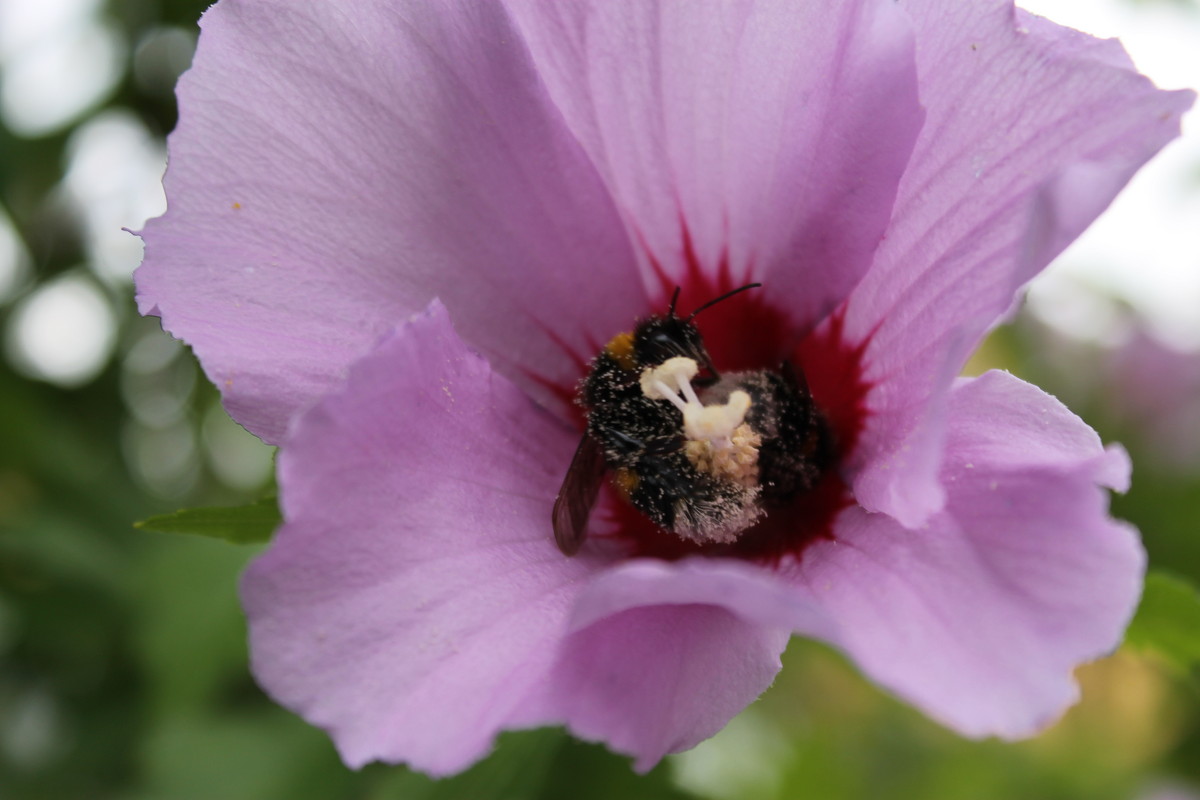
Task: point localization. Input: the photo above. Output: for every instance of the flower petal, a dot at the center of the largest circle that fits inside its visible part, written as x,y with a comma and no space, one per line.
980,616
334,169
413,602
1021,427
660,679
1030,132
662,655
763,138
751,592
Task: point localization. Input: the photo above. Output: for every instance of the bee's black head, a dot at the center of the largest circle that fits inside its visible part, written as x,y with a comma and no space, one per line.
661,337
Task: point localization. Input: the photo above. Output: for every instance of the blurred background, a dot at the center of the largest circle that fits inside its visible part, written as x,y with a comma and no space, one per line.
122,661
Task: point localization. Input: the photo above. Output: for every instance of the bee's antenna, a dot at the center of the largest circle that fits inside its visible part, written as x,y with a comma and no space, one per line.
674,298
710,303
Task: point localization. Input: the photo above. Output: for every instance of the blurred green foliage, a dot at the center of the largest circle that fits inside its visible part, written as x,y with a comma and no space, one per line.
1168,621
123,668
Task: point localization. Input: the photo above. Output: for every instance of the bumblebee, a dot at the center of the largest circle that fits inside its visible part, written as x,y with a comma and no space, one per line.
702,455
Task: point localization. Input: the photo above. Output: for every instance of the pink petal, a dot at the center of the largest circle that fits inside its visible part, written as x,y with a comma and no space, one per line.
749,591
335,168
662,655
763,139
980,616
1030,131
413,602
1025,428
660,679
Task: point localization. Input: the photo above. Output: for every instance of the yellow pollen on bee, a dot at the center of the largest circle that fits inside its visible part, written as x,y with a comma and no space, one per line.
736,462
626,481
620,348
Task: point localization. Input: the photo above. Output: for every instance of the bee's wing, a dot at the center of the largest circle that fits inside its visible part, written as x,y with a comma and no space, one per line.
577,496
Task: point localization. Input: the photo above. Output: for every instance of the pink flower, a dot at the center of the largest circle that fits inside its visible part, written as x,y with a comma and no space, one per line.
891,172
1153,389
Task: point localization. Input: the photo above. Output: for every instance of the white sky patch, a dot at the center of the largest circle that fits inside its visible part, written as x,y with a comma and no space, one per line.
58,58
63,332
114,181
1145,249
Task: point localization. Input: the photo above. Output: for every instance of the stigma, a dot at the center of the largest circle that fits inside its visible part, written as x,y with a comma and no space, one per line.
719,442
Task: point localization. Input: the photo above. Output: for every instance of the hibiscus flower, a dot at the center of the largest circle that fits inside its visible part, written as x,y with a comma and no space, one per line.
398,232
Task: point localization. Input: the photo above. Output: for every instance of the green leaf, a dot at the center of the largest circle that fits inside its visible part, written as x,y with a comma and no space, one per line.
1168,620
250,524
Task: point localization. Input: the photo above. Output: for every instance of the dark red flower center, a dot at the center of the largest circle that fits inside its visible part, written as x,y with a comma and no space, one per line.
745,333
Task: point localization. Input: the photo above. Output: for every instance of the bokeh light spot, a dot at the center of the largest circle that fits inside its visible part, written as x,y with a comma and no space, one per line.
63,332
164,460
113,181
14,259
160,56
26,23
238,458
47,85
